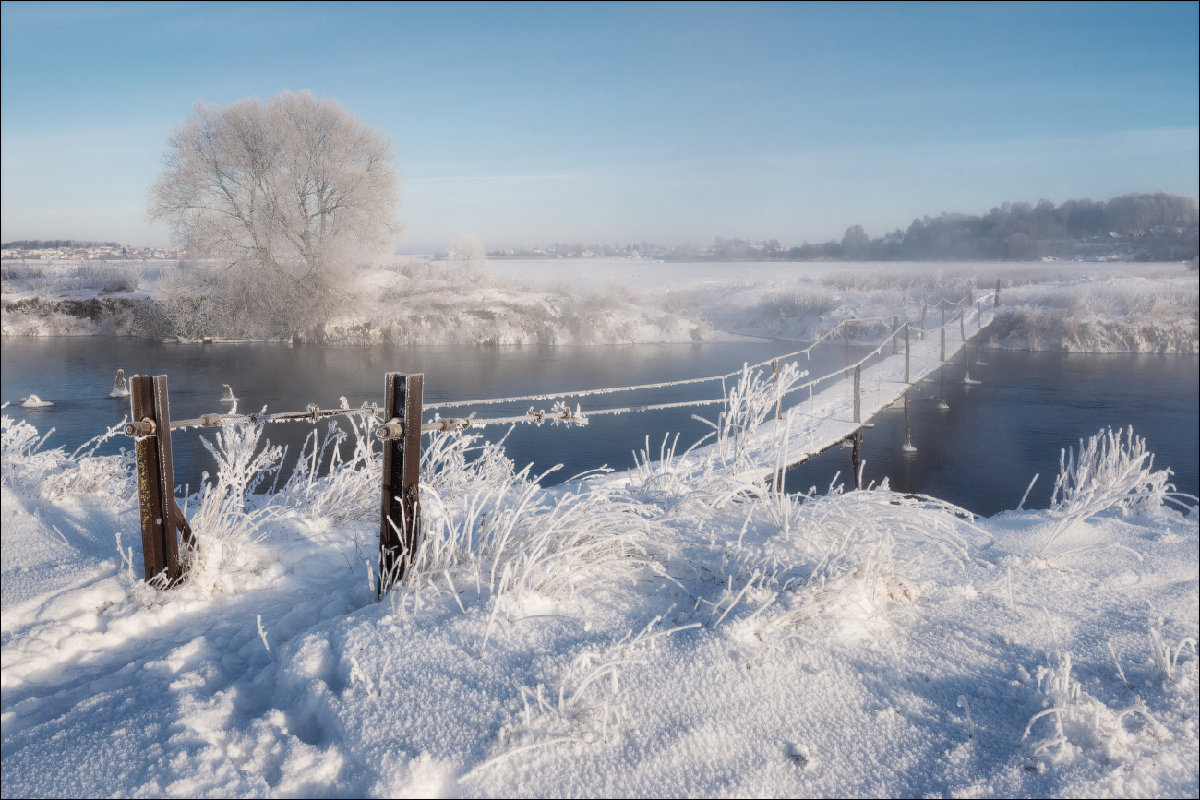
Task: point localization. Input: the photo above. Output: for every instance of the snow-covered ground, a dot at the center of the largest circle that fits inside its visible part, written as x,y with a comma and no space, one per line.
678,632
679,629
1093,307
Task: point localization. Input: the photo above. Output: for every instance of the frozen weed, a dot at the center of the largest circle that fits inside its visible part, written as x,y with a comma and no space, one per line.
488,526
349,489
1112,470
53,473
1082,726
1166,658
586,704
229,522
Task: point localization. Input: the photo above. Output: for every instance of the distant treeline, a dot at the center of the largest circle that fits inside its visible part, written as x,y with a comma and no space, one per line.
1150,227
53,244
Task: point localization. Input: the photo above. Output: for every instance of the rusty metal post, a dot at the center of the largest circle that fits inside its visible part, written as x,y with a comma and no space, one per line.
778,394
996,297
161,519
400,521
857,395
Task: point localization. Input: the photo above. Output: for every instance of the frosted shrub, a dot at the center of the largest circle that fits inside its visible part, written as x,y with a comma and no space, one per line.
488,526
349,490
1111,470
749,404
228,521
54,473
101,278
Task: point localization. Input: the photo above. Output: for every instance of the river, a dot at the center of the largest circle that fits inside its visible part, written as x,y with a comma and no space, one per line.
980,453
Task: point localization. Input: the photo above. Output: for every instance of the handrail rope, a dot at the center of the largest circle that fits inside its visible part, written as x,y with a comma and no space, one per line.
567,416
313,413
660,385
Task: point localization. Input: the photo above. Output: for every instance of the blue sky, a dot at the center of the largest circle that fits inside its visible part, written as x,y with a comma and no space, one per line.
530,123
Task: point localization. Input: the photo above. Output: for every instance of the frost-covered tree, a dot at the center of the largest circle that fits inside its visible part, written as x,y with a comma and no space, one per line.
277,203
468,258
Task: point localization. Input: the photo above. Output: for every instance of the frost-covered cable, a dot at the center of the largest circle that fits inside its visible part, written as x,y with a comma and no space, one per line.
311,414
564,416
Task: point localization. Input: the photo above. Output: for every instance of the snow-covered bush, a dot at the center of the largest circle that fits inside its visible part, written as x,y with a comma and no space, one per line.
349,487
488,526
53,473
228,521
1112,470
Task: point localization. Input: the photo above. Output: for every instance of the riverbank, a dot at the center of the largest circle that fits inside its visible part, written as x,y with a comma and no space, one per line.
1072,307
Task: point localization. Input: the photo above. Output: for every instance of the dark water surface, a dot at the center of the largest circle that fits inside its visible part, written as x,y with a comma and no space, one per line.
980,454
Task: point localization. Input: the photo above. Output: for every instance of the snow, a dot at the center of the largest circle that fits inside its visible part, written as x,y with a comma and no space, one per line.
1077,307
676,630
33,401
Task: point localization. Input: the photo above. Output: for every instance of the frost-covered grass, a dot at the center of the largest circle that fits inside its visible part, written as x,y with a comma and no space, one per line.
1053,306
675,630
1157,313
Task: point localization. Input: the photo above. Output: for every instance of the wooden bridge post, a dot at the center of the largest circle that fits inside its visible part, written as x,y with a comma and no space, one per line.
907,354
996,296
924,308
857,393
856,456
908,445
400,521
943,329
895,327
942,404
778,394
846,332
160,516
962,323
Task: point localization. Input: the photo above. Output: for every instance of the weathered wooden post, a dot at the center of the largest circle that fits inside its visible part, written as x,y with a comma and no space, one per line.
943,329
161,518
908,445
996,296
895,327
942,404
400,518
924,308
907,355
846,333
857,394
856,455
979,316
778,394
962,323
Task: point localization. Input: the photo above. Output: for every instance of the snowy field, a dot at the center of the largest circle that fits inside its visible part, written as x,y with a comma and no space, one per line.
678,632
1075,307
